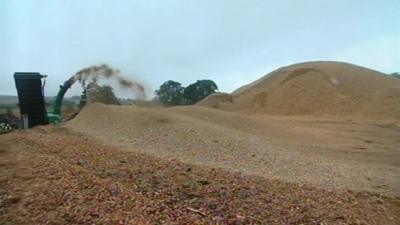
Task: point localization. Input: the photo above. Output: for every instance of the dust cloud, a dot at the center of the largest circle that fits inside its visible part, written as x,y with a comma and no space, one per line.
103,71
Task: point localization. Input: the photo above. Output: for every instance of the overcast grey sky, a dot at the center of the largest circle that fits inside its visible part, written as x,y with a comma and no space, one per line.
232,42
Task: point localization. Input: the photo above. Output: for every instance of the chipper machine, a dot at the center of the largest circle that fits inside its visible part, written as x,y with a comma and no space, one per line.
30,88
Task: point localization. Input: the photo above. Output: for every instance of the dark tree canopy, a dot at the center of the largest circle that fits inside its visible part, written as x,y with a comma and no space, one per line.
170,93
396,75
199,90
103,94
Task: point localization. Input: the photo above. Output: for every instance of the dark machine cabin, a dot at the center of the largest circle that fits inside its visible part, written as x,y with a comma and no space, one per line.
31,98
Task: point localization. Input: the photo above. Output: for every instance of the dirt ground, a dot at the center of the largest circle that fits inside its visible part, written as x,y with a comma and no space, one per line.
50,175
326,152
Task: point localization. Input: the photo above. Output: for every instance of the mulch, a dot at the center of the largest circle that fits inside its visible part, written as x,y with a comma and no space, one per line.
49,175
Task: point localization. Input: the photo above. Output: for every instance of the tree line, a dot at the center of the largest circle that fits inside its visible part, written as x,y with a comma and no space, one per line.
172,93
